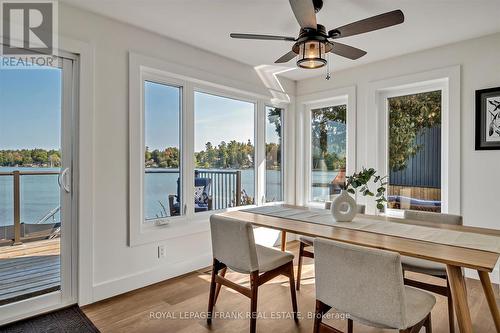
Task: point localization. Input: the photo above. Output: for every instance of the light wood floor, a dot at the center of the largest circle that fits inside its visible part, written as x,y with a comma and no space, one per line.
29,269
173,301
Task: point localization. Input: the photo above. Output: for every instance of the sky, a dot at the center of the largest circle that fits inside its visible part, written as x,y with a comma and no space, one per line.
217,118
30,113
30,108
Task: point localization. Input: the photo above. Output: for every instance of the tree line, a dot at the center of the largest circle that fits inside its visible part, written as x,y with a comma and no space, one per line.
226,155
30,158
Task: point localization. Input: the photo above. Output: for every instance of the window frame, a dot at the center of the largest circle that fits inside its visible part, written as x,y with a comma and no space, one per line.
448,81
383,100
283,166
206,89
191,81
157,79
303,166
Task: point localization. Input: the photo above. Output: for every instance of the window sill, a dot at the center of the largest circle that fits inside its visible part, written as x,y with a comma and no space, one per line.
177,227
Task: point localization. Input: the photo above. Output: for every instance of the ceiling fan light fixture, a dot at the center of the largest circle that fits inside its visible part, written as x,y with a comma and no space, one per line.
311,54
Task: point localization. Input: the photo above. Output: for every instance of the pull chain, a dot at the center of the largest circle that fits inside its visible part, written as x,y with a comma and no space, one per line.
328,76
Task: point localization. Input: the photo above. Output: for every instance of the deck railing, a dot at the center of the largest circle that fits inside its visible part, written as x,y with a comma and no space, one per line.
16,183
225,188
226,191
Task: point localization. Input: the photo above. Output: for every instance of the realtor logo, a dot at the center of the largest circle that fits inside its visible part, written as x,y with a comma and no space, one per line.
28,28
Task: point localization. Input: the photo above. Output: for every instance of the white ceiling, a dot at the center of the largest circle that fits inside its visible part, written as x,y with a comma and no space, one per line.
207,23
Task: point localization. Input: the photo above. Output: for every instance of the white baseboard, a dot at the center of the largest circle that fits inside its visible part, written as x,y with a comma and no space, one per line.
145,278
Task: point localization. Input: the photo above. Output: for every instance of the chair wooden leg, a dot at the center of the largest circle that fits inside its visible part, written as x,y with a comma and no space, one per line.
428,324
299,267
254,283
211,297
292,292
217,288
451,311
350,325
321,309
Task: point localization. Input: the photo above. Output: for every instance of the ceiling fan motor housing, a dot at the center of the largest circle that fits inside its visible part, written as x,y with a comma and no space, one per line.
309,35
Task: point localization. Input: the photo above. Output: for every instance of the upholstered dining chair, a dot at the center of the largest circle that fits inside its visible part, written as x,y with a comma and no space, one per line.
367,285
234,247
428,267
308,241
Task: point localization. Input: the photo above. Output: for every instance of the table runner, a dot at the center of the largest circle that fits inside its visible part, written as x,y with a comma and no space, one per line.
404,230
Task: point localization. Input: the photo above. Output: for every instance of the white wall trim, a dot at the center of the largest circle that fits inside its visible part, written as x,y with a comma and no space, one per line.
448,80
303,141
142,278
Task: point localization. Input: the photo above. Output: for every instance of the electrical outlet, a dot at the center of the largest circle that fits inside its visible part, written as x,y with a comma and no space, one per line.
162,251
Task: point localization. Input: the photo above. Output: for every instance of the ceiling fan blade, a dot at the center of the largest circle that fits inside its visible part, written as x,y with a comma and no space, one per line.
304,13
262,37
370,24
347,51
286,58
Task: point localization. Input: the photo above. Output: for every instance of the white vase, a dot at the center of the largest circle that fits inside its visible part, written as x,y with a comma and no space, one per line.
343,207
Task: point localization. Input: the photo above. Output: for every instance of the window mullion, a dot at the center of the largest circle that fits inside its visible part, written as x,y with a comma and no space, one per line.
187,157
260,153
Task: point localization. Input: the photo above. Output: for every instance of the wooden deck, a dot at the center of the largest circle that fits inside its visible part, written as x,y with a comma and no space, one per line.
29,270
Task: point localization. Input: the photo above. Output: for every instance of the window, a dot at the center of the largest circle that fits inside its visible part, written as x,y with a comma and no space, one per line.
193,150
162,176
414,151
328,151
274,171
224,152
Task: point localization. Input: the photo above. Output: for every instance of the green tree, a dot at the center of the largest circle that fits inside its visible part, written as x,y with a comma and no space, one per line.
39,156
329,134
408,117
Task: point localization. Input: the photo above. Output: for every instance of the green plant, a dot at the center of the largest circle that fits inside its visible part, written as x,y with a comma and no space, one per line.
360,182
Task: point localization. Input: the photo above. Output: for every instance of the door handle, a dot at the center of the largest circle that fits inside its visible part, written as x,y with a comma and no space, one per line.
62,180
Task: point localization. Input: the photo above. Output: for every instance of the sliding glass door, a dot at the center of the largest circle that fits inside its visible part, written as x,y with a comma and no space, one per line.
37,127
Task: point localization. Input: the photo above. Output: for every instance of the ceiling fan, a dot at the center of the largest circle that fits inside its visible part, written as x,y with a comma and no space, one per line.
314,42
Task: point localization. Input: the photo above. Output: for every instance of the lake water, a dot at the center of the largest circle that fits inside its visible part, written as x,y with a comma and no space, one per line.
40,194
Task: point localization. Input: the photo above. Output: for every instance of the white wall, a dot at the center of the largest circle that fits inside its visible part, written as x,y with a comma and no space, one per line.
480,68
116,267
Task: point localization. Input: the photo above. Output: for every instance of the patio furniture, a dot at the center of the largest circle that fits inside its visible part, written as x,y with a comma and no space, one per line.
202,198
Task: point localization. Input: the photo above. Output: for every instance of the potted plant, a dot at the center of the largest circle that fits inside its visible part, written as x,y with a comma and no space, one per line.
343,207
360,182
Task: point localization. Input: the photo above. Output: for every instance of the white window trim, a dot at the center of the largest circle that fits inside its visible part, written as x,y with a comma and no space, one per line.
262,161
305,104
448,81
190,80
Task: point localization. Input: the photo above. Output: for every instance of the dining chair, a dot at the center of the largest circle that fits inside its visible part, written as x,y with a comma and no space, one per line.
428,267
367,285
308,241
233,246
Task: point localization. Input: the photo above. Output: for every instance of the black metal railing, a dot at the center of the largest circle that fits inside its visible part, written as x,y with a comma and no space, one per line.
225,185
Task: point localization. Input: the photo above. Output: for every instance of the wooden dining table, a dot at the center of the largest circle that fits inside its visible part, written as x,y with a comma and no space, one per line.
454,257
